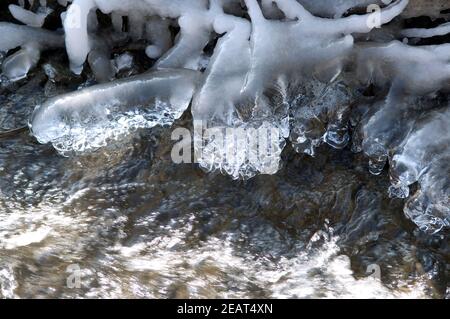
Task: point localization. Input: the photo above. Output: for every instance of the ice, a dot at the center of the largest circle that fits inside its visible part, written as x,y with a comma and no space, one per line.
319,113
411,135
17,66
189,46
429,208
123,62
99,57
443,29
408,69
75,26
250,73
423,157
422,148
32,41
87,119
409,128
260,74
158,33
196,28
242,151
101,65
226,72
193,17
247,135
117,22
28,17
386,124
19,35
306,46
270,10
337,8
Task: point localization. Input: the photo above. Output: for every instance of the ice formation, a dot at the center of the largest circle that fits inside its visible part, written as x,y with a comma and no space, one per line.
88,119
304,72
31,41
29,17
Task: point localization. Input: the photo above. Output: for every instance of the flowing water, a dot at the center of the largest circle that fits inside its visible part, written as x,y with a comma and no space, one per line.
126,222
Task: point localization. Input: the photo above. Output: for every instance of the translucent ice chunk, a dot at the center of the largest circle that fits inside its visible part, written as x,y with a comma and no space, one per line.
88,119
101,65
122,62
19,35
412,133
319,112
424,157
429,208
158,33
387,125
32,40
424,146
244,135
99,57
17,66
242,151
28,17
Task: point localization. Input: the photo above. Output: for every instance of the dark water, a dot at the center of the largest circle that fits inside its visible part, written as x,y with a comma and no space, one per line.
127,222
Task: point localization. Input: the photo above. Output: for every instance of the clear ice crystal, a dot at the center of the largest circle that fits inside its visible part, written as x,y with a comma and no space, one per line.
88,119
242,152
99,131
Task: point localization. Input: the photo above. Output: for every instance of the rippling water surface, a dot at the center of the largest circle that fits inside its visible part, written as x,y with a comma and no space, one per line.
129,223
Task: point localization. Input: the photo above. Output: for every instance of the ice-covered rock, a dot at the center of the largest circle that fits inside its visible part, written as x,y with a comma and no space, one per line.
85,120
